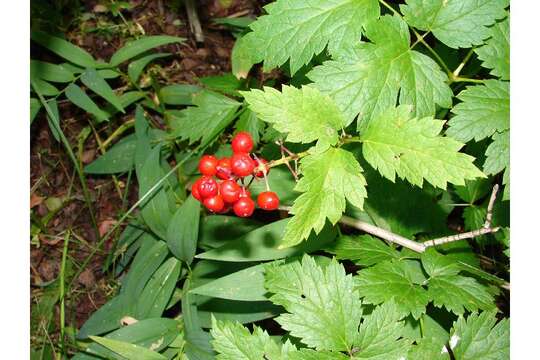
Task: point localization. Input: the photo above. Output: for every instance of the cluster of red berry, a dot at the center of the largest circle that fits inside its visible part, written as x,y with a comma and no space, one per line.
219,197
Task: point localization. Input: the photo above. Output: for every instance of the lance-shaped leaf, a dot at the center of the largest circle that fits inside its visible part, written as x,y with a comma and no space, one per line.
298,30
456,23
495,54
329,178
370,77
484,110
305,115
394,143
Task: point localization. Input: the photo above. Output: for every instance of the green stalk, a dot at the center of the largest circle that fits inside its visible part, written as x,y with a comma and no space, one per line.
62,290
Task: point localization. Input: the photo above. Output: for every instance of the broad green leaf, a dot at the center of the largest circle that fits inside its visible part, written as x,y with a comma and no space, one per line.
154,334
178,94
262,244
157,292
128,350
305,114
107,318
412,147
380,335
118,159
484,110
139,46
372,77
243,57
473,190
242,311
64,49
428,349
232,341
244,285
329,178
126,99
249,122
495,54
323,307
480,338
45,88
456,23
50,72
393,280
183,230
309,354
97,84
298,30
498,154
437,265
211,114
135,68
78,97
155,209
227,83
35,106
363,250
218,230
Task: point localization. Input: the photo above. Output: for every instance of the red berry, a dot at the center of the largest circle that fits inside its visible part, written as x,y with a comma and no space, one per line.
224,170
268,200
230,191
260,162
208,187
214,203
242,165
195,189
207,165
244,207
245,192
242,142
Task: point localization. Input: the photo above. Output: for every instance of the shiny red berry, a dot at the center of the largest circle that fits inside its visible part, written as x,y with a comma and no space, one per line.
208,187
244,207
245,192
242,165
268,200
242,142
223,169
195,189
258,163
230,191
214,203
207,165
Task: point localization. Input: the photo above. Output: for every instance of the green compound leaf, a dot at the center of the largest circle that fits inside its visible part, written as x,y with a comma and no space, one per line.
363,250
323,308
210,115
298,30
394,143
305,115
371,77
478,338
495,54
484,110
456,23
329,178
380,335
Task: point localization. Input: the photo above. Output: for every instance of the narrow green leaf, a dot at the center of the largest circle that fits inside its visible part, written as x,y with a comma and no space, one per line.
50,72
178,94
139,46
135,68
183,230
118,159
227,84
126,99
78,97
54,122
64,49
218,230
35,106
97,84
128,350
45,88
107,317
241,311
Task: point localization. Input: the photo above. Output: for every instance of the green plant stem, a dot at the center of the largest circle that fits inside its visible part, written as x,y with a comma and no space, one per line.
385,4
463,63
62,289
465,79
65,142
422,330
119,131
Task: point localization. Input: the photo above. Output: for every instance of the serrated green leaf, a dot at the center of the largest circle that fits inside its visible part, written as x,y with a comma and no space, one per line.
329,179
478,338
380,335
119,158
456,23
484,110
436,264
298,30
135,68
498,154
183,230
428,349
141,45
97,84
363,250
324,309
370,77
309,354
473,190
495,54
64,49
128,350
249,122
50,72
78,97
211,114
393,280
394,143
243,57
305,114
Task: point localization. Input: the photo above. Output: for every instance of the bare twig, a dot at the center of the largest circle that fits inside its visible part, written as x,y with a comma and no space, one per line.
283,149
194,22
489,215
462,236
